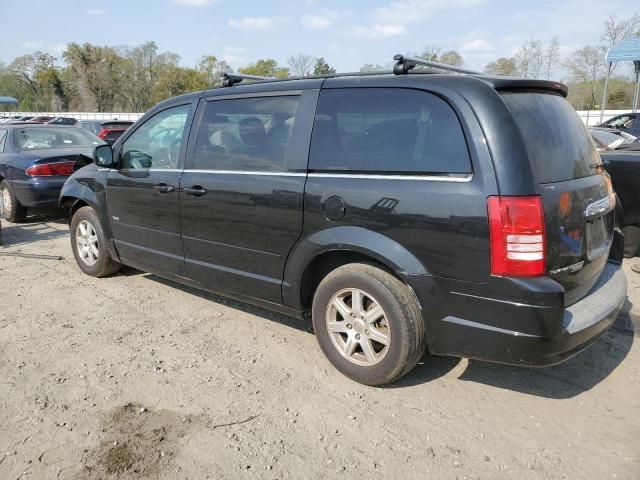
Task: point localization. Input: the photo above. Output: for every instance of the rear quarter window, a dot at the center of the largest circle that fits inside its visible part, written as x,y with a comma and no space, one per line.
390,130
558,144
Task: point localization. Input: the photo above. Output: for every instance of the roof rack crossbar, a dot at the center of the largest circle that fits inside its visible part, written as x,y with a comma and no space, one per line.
230,79
405,64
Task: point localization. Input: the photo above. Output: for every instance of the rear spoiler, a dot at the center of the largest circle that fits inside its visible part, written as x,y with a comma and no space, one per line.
524,84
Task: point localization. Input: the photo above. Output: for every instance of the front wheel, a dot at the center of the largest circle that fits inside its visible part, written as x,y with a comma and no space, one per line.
368,324
90,246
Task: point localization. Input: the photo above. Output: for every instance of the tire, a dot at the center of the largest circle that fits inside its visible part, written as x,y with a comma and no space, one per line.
631,240
89,245
12,210
385,349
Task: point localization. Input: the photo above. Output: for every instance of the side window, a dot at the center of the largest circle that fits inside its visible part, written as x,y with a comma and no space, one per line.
250,134
87,126
3,139
387,130
156,144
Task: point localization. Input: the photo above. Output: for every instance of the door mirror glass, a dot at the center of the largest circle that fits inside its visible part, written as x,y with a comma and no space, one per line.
137,160
103,156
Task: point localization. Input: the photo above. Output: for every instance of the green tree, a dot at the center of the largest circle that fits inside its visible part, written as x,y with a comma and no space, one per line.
265,68
212,69
97,74
451,57
139,72
502,66
35,81
321,67
433,53
176,80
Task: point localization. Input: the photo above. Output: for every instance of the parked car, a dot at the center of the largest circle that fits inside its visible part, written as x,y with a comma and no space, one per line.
620,154
35,161
62,121
466,214
23,118
9,119
627,122
40,119
107,130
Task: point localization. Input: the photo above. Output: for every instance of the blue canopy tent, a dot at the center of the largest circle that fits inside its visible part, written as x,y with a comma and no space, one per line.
8,101
626,51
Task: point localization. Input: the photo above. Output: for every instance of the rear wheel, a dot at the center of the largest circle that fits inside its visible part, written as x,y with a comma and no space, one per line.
631,240
12,210
368,324
90,246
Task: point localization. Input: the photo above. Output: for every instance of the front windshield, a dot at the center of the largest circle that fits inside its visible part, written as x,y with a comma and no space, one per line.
43,138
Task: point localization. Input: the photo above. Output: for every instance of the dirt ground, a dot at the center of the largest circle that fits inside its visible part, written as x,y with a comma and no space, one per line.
136,377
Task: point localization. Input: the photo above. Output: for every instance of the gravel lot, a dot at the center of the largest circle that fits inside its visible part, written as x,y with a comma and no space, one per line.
136,377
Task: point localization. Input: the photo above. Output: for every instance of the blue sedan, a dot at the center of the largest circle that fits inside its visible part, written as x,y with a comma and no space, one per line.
35,161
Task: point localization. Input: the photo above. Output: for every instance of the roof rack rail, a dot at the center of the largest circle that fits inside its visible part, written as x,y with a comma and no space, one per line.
230,79
405,64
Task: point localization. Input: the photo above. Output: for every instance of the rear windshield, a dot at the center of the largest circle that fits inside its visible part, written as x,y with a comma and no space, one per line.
46,138
557,142
117,125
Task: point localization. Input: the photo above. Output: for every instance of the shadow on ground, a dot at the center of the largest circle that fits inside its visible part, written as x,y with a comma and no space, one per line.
567,380
297,323
46,224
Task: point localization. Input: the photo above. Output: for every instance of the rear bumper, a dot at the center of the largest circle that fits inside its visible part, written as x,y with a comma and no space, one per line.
549,334
38,192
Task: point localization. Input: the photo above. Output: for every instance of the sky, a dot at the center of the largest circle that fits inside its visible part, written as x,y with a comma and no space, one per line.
346,33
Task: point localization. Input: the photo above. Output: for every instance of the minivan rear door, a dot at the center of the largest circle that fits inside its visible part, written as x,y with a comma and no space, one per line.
576,192
241,193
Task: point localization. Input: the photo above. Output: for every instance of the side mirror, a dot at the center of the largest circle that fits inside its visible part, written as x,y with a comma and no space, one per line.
103,156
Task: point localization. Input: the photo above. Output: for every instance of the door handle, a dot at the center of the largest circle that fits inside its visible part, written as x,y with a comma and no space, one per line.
163,188
196,191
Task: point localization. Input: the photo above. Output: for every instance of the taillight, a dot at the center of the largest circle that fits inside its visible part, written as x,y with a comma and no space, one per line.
517,238
50,169
103,133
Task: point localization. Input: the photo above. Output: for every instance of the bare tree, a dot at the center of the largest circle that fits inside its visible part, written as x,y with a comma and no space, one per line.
430,52
551,57
529,59
301,65
587,65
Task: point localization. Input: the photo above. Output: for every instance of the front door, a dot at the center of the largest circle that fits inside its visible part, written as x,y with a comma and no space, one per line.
242,190
142,194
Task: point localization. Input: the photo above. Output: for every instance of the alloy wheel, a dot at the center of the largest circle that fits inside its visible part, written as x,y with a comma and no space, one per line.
358,327
87,243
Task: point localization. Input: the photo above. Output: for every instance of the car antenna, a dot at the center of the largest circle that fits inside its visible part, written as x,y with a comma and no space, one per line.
230,79
405,64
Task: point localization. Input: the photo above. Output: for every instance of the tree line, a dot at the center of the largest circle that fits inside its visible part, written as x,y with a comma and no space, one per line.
104,78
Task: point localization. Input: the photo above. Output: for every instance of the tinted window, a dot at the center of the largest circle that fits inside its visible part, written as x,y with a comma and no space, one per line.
387,130
3,138
557,142
250,134
47,138
117,125
156,143
87,126
623,121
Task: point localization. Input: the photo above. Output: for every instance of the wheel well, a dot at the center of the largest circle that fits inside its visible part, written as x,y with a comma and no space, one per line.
73,204
325,263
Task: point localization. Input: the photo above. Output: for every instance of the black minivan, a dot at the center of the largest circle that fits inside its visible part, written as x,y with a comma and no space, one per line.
465,215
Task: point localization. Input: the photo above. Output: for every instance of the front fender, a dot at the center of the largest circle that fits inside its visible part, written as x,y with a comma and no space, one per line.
87,185
346,238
